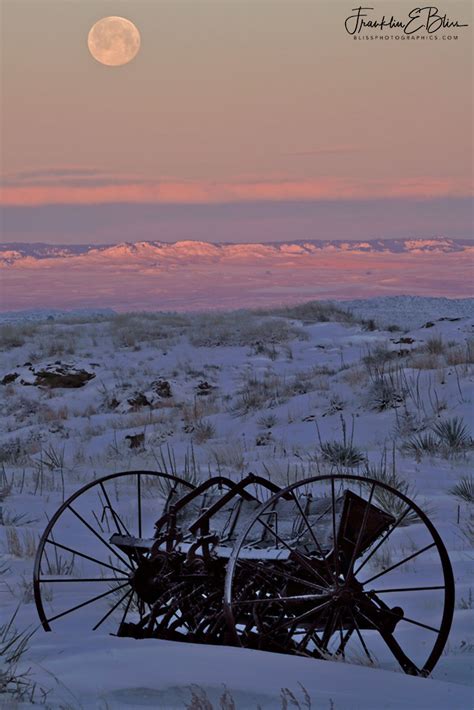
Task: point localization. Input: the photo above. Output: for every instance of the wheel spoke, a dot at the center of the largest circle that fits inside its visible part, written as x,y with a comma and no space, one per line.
334,536
344,638
414,622
310,633
361,639
72,580
127,607
82,554
330,627
359,536
139,502
311,532
402,562
296,555
111,610
384,539
89,601
404,589
117,519
301,617
104,542
295,599
405,662
387,610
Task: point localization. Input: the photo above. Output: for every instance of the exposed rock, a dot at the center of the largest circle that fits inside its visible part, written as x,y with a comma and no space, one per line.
404,341
162,388
264,439
136,441
204,388
62,376
11,377
139,400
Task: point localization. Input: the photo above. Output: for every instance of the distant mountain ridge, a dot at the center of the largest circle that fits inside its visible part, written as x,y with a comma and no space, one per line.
199,275
12,252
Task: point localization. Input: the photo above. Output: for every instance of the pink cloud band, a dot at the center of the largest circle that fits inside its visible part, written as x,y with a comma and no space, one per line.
103,190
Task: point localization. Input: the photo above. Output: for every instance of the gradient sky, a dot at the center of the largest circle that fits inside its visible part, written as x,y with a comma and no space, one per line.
242,120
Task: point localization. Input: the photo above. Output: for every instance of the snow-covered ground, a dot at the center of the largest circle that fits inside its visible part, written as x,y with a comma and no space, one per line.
409,311
234,393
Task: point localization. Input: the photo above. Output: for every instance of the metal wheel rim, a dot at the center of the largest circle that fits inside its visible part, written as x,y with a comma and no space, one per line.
449,593
37,581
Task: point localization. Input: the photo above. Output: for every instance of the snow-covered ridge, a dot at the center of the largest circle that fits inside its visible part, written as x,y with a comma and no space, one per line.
194,275
11,253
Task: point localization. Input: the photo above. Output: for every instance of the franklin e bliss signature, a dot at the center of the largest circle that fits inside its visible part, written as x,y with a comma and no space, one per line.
428,19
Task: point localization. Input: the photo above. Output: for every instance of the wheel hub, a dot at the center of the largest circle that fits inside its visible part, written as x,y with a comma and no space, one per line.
347,591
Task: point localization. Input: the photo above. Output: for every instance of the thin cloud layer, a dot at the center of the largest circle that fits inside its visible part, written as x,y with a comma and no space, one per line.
81,186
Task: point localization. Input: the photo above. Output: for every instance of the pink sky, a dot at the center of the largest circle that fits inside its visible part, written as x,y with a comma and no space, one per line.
232,102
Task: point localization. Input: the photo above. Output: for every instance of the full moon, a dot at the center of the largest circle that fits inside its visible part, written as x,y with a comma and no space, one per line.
113,41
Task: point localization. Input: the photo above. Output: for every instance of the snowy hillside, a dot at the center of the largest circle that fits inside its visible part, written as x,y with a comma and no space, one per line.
177,276
300,391
404,311
409,311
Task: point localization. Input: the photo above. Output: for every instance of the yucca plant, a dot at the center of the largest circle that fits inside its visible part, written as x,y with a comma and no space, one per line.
464,489
13,645
421,444
341,454
189,471
385,394
453,434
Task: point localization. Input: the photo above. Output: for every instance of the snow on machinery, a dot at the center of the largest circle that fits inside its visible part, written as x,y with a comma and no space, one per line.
338,567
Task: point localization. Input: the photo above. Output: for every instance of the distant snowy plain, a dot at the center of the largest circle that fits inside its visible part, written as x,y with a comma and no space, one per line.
191,275
308,366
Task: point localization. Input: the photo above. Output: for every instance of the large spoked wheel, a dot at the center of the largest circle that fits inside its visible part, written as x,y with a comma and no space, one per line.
79,570
347,569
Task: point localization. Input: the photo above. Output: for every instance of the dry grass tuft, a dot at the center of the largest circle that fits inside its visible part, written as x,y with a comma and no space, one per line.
230,456
242,328
203,431
21,544
14,335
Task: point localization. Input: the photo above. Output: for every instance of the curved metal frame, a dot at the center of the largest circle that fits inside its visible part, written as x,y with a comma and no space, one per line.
449,595
98,481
